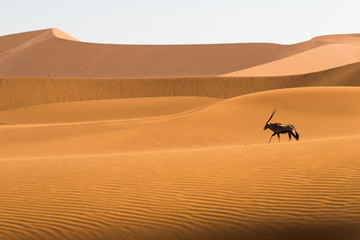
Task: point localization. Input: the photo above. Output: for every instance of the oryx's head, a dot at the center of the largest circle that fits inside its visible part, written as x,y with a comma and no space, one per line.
267,123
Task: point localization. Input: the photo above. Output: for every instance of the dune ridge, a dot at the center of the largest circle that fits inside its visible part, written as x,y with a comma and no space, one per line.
60,34
12,40
12,45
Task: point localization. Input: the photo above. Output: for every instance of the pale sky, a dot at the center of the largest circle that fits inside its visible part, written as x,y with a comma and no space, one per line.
183,21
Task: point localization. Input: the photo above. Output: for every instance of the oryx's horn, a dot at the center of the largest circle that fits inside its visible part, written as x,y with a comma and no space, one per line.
272,115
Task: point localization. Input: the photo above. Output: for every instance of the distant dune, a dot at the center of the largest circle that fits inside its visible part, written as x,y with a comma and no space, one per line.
106,141
52,53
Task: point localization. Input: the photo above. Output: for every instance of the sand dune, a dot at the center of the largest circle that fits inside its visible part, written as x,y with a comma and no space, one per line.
101,141
237,121
52,53
23,92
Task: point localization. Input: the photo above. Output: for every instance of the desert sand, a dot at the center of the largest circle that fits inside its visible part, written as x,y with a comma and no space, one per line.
106,141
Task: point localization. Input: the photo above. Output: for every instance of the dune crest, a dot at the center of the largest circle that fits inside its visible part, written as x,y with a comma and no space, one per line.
60,34
11,48
38,37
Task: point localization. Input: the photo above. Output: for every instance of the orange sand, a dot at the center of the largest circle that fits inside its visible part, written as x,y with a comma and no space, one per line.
169,150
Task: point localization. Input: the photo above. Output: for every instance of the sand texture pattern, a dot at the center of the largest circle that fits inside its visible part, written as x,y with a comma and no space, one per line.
170,144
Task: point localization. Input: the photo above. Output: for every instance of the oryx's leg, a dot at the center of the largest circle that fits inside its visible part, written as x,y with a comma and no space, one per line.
271,137
278,136
289,137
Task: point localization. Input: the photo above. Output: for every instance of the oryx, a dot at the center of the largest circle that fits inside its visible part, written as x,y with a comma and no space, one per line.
279,128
